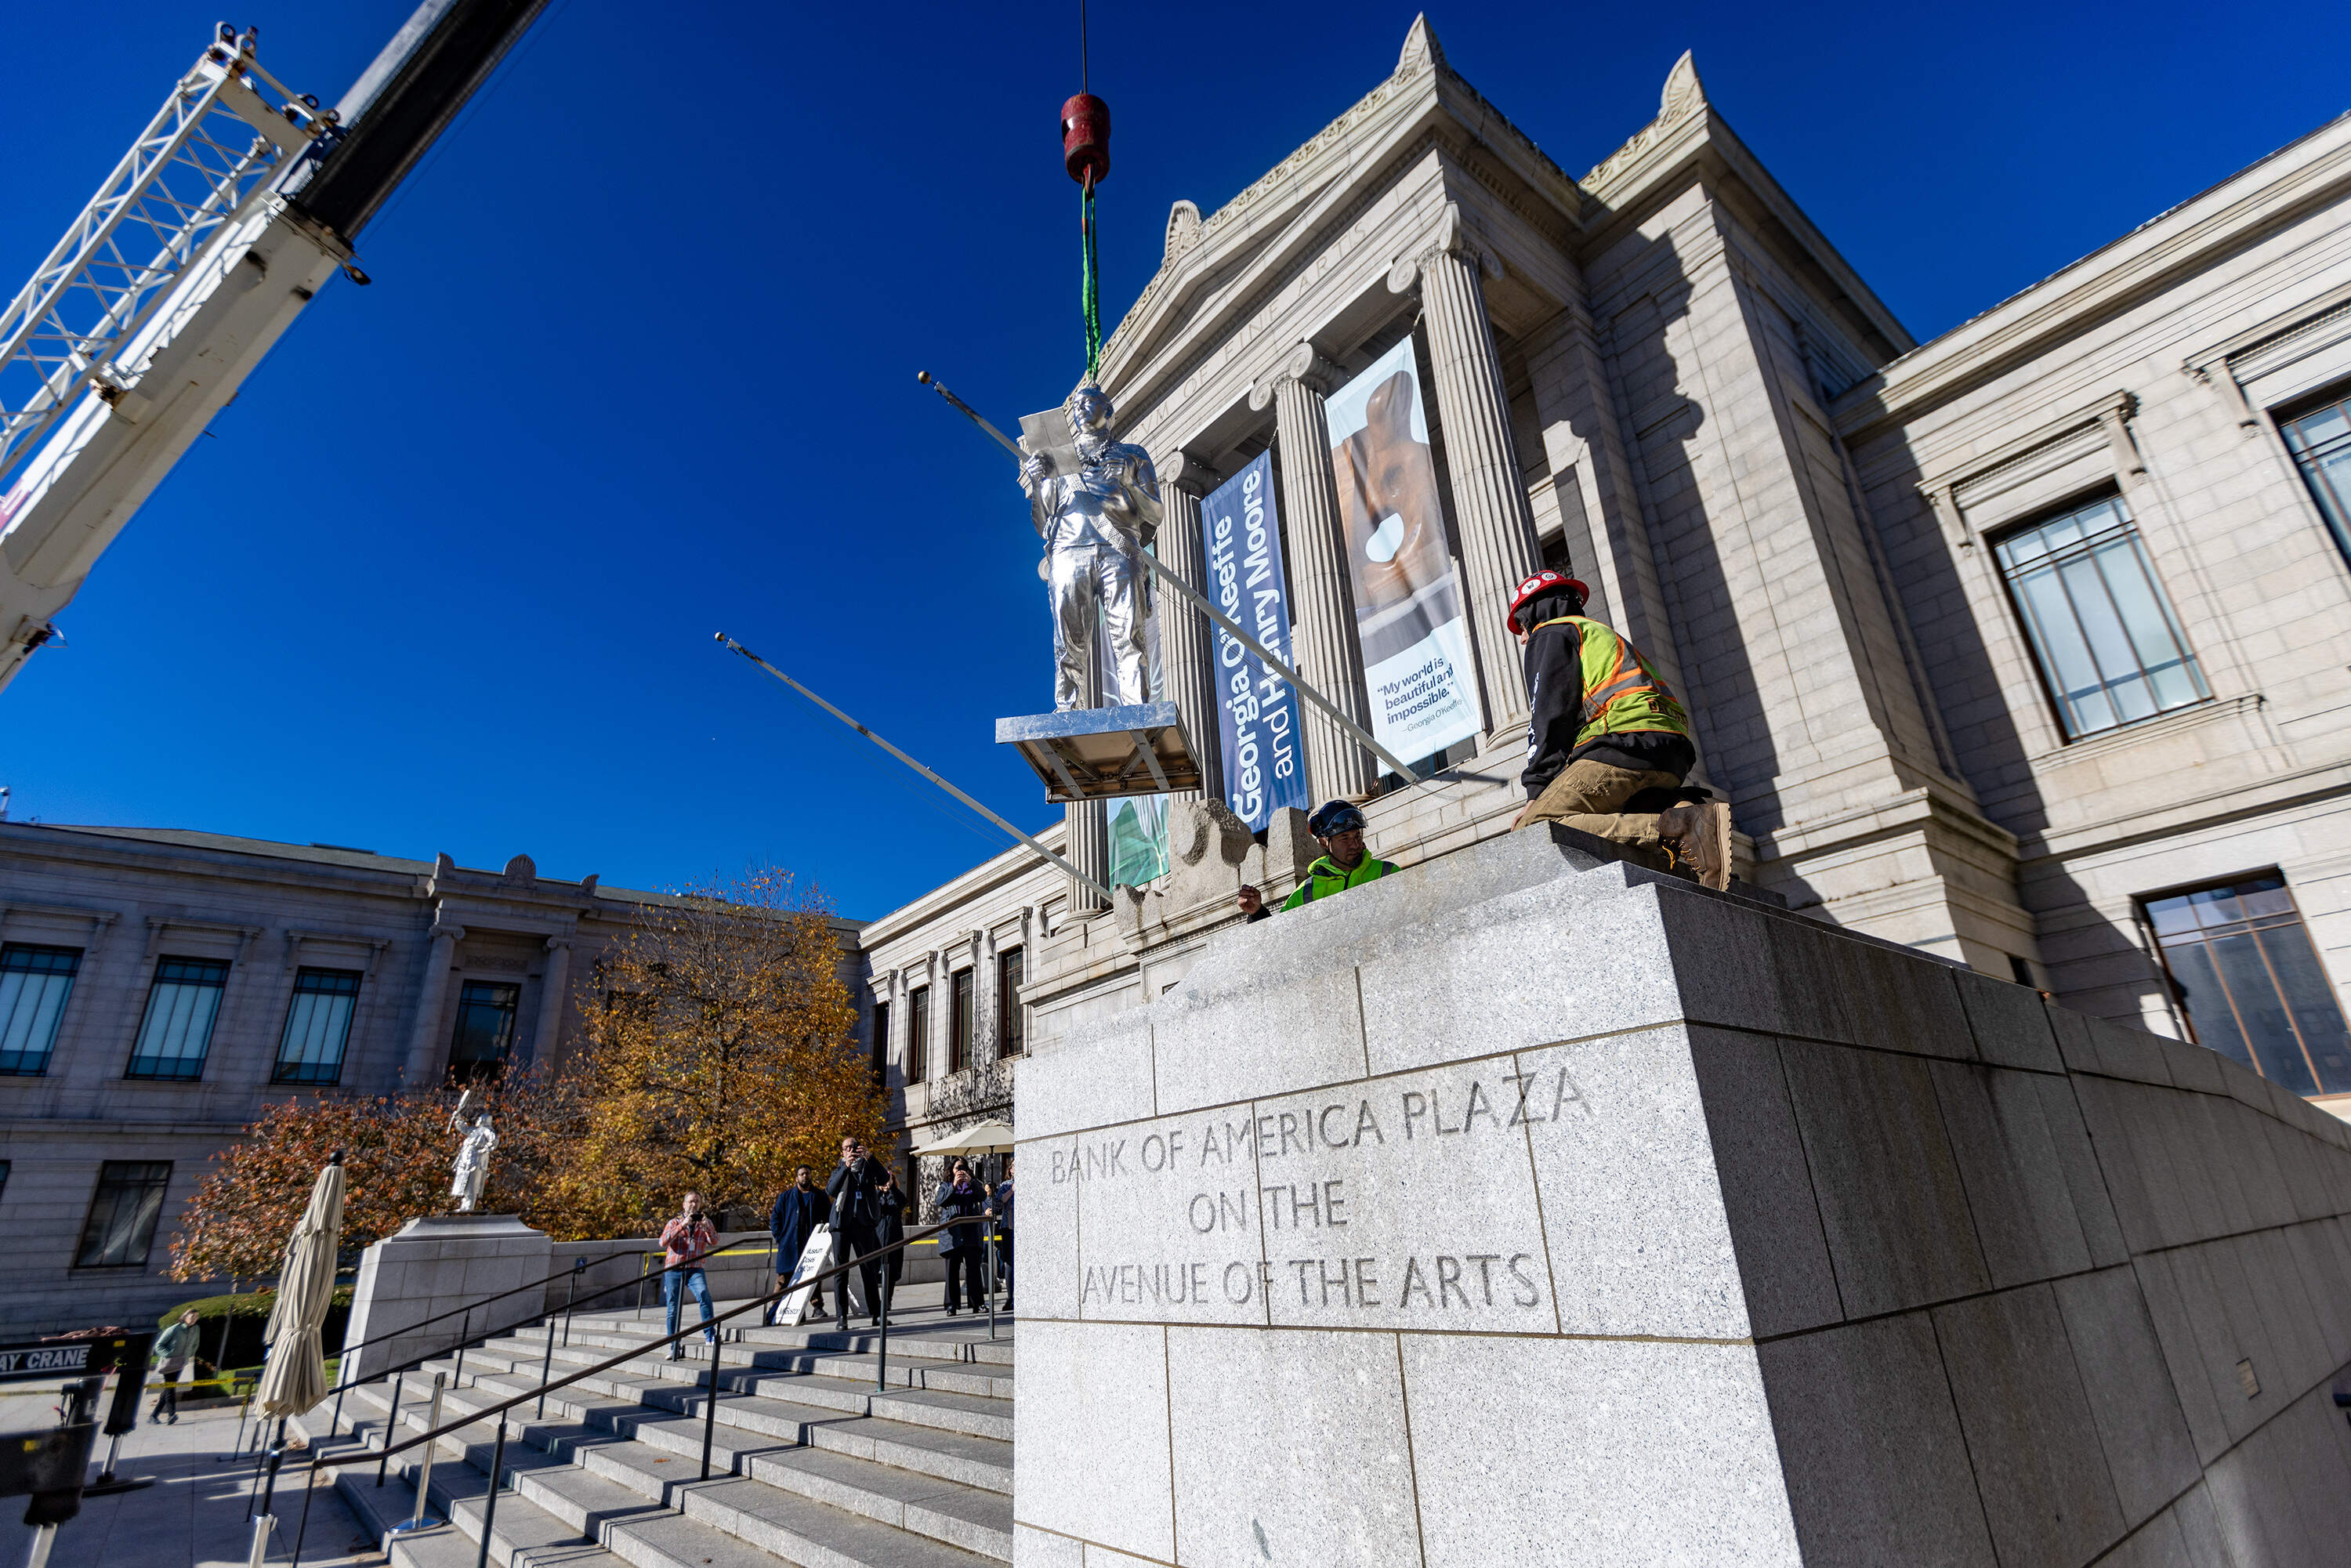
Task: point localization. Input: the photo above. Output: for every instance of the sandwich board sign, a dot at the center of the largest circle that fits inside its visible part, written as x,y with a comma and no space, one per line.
794,1306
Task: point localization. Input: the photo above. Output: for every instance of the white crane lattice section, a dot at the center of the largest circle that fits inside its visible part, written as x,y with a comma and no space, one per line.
213,145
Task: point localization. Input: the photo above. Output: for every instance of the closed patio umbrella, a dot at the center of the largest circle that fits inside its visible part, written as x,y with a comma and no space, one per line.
986,1138
296,1378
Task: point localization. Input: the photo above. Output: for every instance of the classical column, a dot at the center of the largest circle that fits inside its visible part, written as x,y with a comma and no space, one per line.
1489,495
424,1037
1327,652
1187,639
554,995
1088,850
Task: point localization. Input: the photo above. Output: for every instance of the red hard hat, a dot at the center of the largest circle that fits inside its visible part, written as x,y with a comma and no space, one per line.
1543,583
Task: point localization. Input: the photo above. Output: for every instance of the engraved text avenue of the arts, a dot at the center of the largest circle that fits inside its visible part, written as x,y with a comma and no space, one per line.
1407,1199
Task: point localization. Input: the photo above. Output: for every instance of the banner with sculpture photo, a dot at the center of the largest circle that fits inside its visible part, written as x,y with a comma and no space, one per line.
1256,713
1409,614
1138,823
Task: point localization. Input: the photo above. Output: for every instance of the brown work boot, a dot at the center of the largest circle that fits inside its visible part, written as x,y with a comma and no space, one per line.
1699,836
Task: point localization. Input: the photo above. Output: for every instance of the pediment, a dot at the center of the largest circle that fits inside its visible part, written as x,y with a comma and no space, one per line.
1274,219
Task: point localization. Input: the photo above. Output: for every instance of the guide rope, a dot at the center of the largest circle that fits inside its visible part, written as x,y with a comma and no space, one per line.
1090,289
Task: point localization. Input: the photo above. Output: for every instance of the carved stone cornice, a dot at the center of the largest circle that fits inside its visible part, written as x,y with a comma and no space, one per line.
295,938
1304,365
1183,232
159,924
1683,98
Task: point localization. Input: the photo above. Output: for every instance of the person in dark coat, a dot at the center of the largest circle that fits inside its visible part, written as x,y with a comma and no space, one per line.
856,1192
1001,1210
960,1198
799,1209
896,1204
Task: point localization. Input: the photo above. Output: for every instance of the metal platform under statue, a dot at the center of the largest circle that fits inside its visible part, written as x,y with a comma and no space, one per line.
1103,753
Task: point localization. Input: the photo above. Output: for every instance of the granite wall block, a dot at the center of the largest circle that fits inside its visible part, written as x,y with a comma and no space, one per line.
1892,1204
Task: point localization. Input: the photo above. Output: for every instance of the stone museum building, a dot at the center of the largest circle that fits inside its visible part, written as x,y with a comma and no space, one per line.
2028,646
159,988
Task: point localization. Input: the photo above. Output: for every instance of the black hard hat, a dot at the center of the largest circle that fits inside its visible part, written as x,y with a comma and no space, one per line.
1336,817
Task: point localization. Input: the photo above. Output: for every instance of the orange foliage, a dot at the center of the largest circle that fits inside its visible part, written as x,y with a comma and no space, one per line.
398,1149
721,1054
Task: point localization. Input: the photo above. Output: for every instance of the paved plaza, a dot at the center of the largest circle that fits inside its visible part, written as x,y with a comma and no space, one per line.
193,1516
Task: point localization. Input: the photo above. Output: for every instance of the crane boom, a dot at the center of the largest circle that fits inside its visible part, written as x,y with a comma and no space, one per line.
231,210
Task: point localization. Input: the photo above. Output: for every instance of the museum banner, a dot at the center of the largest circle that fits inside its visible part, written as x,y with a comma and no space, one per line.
1138,823
1408,603
1256,713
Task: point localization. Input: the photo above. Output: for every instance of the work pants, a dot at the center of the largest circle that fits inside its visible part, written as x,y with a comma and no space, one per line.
676,1284
967,1264
1585,797
859,1245
167,1403
1085,583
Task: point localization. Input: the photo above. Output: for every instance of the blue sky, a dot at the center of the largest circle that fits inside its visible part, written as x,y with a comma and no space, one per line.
638,365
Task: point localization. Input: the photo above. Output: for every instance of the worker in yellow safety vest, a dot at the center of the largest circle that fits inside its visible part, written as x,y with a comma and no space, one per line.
1603,731
1338,827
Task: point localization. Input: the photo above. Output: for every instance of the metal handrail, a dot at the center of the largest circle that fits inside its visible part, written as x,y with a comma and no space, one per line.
559,1274
344,1354
634,1352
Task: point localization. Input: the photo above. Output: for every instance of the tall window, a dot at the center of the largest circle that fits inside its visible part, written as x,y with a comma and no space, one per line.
181,1006
880,1046
2321,443
959,1020
485,1025
120,1225
2252,983
34,985
318,1026
2109,647
1011,1038
918,1031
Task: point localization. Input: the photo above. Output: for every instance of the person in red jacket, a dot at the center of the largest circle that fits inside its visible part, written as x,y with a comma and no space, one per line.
683,1240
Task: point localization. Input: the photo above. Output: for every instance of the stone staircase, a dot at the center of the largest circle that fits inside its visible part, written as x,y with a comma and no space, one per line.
810,1464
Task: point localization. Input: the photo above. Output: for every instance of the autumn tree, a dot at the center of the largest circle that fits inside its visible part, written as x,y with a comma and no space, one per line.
397,1152
720,1052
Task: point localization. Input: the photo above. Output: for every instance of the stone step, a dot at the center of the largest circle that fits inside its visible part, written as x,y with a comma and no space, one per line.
519,1356
928,1333
812,1534
830,1512
522,1534
903,1372
749,1418
979,1415
936,1406
647,1447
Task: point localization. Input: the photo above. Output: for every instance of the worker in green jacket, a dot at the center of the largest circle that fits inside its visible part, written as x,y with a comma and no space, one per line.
1338,827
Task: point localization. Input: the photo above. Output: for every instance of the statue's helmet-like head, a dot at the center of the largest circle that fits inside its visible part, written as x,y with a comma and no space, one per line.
1089,408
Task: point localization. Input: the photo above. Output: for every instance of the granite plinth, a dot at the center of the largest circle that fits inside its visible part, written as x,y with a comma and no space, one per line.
441,1263
1534,1208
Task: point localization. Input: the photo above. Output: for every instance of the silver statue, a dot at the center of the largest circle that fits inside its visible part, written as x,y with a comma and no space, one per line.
1098,510
472,1171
